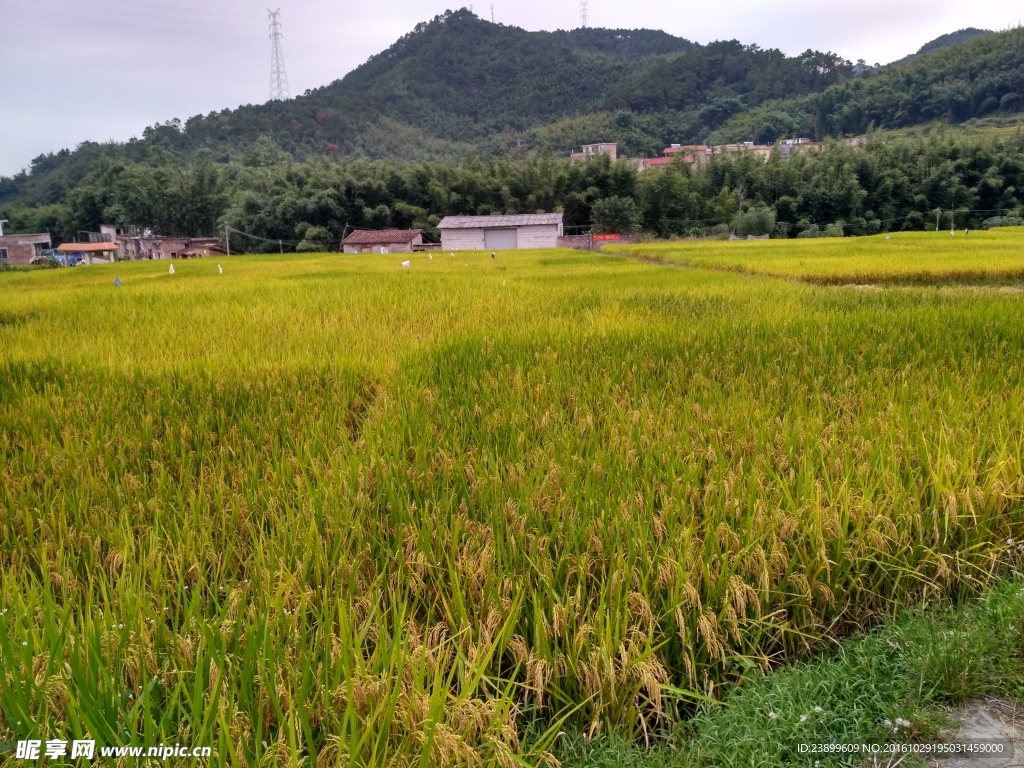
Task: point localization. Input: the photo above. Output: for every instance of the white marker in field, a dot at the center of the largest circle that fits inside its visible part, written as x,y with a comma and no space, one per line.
220,269
405,264
171,270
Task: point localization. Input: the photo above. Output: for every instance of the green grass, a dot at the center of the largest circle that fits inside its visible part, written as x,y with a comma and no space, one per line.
908,671
901,258
327,510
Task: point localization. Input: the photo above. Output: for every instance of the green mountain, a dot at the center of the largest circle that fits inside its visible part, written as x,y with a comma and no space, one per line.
459,82
945,41
958,82
459,85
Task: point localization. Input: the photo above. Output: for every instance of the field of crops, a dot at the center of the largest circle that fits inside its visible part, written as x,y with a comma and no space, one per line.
325,510
901,258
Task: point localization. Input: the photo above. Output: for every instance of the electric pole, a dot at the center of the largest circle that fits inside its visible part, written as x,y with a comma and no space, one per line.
584,15
278,77
492,13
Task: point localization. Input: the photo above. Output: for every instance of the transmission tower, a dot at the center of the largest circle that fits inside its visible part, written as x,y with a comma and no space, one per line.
278,77
584,16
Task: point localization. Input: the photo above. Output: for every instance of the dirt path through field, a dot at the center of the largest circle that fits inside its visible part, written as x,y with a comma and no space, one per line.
988,720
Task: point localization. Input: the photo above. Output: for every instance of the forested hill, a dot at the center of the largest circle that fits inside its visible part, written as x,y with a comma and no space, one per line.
459,85
460,81
977,78
944,41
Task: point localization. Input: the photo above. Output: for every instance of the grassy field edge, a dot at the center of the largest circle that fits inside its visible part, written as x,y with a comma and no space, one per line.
899,682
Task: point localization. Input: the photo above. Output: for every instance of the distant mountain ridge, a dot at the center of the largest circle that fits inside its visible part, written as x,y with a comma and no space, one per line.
955,82
944,41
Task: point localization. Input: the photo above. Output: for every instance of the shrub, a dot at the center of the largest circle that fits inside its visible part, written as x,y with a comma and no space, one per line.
756,221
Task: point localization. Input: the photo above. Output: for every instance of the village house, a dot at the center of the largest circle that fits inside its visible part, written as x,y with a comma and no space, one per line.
590,151
790,147
194,247
136,242
382,241
21,249
764,151
691,154
500,233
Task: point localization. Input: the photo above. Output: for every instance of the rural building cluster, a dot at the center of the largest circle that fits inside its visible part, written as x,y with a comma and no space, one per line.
699,155
111,243
137,242
458,233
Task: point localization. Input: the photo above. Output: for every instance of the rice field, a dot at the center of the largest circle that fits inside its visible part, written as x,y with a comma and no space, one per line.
901,257
324,510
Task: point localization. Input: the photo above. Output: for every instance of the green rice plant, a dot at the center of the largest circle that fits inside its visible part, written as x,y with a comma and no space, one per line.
990,256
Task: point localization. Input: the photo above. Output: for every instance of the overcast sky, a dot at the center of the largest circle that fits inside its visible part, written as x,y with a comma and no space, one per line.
76,70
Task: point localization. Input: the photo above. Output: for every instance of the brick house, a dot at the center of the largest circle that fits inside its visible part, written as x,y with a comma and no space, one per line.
382,241
21,249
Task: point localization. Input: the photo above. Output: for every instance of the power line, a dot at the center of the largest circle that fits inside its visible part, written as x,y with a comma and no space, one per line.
279,89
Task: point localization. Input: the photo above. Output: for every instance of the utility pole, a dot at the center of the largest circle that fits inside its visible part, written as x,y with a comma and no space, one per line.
492,13
2,222
952,221
227,239
584,15
278,77
938,212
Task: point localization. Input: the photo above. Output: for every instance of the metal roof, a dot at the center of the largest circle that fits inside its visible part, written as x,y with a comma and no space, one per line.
478,222
382,237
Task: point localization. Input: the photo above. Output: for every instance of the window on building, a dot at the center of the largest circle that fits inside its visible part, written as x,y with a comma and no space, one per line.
3,254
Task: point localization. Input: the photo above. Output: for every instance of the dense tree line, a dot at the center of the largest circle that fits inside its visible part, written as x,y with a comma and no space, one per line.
889,183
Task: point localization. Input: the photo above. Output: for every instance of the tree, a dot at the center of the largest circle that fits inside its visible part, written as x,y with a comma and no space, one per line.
616,214
314,239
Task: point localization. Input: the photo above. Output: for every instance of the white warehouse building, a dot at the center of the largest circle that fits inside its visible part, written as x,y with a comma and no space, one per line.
500,233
